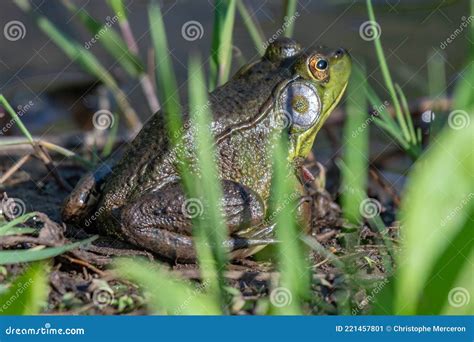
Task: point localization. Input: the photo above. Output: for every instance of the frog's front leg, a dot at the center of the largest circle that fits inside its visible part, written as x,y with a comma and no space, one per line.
83,199
161,221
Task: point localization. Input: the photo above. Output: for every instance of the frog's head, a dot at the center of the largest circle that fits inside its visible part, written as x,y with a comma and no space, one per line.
321,79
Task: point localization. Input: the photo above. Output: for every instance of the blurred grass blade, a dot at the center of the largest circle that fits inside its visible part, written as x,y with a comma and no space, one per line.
7,228
28,293
118,8
211,231
19,231
252,26
109,39
27,255
290,11
146,82
165,77
111,139
447,269
386,73
4,103
221,50
168,294
86,59
356,143
429,234
436,75
408,118
294,282
463,96
403,119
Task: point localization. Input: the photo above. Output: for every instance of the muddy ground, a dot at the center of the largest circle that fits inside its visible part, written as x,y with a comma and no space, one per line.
75,276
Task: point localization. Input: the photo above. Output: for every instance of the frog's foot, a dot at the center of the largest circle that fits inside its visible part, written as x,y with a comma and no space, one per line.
161,221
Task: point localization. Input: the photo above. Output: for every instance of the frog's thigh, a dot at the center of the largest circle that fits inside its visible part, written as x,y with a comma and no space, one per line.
161,221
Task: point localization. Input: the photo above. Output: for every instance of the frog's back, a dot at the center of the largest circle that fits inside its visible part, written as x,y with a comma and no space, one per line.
149,162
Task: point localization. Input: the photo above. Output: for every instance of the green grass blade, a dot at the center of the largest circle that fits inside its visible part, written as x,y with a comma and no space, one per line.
290,11
165,77
356,145
463,95
109,39
386,74
26,255
436,75
294,282
7,227
28,293
443,276
211,230
406,111
168,294
252,27
118,8
86,60
393,132
4,103
221,50
19,231
431,228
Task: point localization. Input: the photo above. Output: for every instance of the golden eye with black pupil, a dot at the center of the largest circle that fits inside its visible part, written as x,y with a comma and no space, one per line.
319,67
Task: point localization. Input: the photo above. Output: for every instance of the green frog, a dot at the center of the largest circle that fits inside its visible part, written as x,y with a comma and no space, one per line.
289,92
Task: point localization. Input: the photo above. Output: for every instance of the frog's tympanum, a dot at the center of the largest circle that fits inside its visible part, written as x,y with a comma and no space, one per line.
289,92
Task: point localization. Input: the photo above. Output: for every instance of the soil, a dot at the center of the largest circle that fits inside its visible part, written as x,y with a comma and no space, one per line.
76,275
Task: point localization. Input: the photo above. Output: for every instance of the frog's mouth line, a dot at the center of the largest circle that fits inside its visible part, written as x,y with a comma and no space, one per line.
327,112
307,140
334,103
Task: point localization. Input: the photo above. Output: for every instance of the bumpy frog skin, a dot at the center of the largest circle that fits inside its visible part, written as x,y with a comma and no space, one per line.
289,91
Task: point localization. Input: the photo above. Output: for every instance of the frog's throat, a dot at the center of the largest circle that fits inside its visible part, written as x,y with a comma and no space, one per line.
305,141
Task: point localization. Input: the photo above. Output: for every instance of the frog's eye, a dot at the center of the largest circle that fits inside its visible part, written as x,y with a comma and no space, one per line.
301,104
322,64
319,67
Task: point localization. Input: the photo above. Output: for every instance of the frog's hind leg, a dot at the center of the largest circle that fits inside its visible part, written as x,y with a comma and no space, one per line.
161,221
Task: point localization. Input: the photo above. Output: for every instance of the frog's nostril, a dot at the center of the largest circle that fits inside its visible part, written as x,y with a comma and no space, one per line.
339,53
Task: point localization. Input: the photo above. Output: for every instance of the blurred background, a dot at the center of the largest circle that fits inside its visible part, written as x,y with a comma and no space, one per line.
34,68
